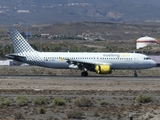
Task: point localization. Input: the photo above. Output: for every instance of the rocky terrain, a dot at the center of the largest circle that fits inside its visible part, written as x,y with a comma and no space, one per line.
62,97
54,11
90,99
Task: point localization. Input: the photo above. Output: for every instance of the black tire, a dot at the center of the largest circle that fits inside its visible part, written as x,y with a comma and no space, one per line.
84,73
135,75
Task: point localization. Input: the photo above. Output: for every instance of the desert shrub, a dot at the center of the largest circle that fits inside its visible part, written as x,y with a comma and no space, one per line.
144,98
103,102
40,100
21,101
58,101
82,102
4,101
42,110
75,114
18,115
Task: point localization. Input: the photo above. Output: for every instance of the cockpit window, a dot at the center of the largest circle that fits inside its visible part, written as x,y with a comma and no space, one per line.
147,58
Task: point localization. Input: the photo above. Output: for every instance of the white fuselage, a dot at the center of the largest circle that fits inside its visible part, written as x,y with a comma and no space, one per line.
115,60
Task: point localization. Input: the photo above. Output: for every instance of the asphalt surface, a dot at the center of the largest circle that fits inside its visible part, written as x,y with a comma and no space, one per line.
69,77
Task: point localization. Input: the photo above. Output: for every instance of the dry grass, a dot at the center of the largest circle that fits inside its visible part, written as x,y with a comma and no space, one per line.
83,102
84,107
96,98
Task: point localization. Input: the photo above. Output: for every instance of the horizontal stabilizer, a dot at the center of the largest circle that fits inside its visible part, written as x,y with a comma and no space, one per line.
14,56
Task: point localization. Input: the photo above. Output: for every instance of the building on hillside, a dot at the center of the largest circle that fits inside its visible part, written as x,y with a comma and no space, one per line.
23,11
145,41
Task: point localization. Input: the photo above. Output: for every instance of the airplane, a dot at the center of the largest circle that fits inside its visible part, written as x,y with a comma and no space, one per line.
100,63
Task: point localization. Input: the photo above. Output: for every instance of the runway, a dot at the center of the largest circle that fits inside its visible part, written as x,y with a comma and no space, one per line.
66,82
70,77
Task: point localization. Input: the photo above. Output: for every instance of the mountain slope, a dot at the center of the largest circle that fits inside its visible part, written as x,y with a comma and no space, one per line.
51,11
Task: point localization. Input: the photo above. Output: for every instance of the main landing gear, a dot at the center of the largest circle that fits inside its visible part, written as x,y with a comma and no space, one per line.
84,73
135,73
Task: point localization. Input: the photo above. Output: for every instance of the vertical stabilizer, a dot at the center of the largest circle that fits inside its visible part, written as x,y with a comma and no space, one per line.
20,45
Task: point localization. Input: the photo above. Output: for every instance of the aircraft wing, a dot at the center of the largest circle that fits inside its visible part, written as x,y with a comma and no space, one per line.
89,64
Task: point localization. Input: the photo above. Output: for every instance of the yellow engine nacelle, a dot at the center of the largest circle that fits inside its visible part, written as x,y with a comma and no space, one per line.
103,69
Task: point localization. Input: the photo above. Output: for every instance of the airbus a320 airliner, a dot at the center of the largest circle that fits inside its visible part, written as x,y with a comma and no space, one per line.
101,63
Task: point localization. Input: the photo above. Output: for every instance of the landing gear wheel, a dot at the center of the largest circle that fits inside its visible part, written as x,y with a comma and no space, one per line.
135,73
84,73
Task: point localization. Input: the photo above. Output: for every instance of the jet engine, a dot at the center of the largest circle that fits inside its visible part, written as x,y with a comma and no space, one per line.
103,69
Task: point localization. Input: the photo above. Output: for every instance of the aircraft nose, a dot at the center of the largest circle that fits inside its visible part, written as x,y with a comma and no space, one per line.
154,63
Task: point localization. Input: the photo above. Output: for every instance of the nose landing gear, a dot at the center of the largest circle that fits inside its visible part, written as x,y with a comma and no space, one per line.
135,73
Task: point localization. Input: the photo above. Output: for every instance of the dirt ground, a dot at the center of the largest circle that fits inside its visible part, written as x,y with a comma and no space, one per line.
118,93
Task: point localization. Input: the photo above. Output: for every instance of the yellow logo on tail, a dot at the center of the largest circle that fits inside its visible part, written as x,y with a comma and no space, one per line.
18,38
